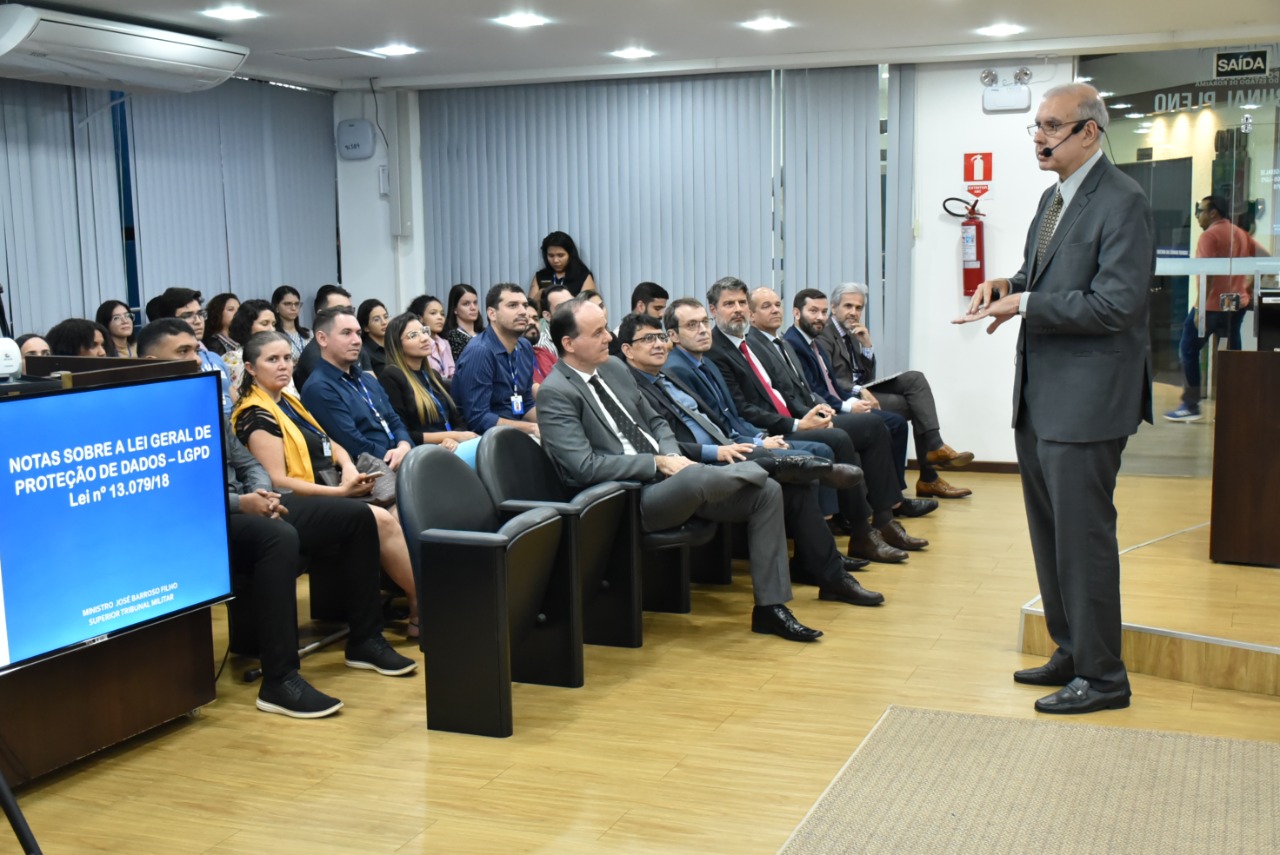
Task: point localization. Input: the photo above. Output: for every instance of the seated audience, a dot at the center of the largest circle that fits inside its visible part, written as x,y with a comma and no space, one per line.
544,350
122,336
847,342
253,316
328,297
598,427
561,265
268,535
77,337
32,345
221,309
647,298
373,316
494,381
300,455
184,304
418,394
351,406
431,312
462,321
287,304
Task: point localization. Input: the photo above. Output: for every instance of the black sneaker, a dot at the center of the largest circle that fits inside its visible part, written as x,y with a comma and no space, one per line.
374,654
296,698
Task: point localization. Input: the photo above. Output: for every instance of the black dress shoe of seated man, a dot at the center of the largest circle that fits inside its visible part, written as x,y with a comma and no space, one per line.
1079,697
1048,674
778,620
915,507
794,469
847,590
853,565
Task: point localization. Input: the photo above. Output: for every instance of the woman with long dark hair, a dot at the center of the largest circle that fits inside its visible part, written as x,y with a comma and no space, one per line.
253,317
417,392
463,321
286,302
430,311
372,317
220,309
561,265
122,335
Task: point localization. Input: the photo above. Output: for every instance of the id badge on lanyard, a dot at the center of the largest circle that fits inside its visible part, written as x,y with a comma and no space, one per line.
517,400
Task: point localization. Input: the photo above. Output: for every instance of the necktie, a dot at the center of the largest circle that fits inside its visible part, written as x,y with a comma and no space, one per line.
822,365
626,425
786,359
778,403
1047,225
703,422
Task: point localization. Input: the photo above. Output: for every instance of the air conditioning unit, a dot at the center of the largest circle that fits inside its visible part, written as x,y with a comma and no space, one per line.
73,50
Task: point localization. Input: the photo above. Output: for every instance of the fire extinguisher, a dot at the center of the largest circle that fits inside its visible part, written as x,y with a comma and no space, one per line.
972,254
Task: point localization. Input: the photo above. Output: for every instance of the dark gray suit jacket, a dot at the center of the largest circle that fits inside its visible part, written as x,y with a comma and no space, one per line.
576,434
845,365
1084,353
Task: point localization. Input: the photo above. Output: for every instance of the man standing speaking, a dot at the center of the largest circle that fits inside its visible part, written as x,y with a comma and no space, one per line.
1082,385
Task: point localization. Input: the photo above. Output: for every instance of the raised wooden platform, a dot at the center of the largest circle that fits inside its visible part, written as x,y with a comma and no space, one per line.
1188,619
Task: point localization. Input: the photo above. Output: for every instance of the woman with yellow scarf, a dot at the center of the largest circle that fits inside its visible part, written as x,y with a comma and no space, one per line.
298,456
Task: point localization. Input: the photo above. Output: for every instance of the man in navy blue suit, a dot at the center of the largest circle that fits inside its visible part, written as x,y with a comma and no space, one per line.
809,314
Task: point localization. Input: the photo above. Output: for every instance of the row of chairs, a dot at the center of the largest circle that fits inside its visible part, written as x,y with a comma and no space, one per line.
515,572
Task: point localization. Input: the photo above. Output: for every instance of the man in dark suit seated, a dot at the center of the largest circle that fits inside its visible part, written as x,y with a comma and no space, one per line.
764,395
706,438
596,427
847,342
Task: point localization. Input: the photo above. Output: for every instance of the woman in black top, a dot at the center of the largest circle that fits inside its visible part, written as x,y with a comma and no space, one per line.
373,316
463,321
561,266
221,309
417,393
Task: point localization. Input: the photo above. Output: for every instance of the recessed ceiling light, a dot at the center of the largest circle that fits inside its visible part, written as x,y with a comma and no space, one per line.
395,50
632,53
1135,115
1084,80
1120,106
1141,130
765,23
232,13
998,30
521,20
1249,107
1105,94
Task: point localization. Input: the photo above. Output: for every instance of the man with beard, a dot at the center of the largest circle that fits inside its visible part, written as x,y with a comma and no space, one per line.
494,380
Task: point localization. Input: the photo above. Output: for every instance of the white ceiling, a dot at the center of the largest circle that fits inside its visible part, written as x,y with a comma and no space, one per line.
461,46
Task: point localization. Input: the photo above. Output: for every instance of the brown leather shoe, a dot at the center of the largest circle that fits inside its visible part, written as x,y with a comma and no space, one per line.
940,489
872,547
948,456
895,535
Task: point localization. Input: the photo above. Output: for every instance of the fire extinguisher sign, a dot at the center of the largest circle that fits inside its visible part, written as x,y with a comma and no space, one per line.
977,172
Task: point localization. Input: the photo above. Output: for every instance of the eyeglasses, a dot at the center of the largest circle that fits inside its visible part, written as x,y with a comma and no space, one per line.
648,340
289,304
127,316
191,316
1052,129
413,336
694,326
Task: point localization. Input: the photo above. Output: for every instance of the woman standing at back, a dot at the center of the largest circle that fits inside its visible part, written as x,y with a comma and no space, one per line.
561,266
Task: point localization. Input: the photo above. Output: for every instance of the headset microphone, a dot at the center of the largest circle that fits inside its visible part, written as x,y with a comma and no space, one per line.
1079,126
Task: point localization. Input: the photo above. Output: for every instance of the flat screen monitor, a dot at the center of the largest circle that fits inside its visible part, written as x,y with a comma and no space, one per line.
113,512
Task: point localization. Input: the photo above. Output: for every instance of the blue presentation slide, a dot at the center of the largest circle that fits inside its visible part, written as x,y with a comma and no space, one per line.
113,511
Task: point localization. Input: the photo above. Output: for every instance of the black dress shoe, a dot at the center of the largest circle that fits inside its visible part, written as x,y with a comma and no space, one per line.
794,469
1046,675
778,620
841,476
915,507
839,526
847,590
853,565
895,535
872,547
1079,697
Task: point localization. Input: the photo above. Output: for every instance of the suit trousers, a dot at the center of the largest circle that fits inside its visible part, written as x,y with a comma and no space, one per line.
739,492
1068,489
861,440
267,551
910,396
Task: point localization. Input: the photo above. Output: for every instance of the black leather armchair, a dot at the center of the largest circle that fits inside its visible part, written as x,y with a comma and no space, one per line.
494,607
600,532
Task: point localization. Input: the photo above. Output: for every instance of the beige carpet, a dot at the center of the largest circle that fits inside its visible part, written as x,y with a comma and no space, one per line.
926,781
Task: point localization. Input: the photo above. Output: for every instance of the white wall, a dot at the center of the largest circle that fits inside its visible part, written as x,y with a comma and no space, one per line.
971,372
375,263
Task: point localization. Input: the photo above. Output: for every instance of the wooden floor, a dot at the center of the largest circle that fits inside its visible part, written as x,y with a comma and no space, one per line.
708,740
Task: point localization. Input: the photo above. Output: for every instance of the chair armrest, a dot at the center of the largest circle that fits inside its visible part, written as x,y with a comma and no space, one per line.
518,506
602,491
464,538
526,521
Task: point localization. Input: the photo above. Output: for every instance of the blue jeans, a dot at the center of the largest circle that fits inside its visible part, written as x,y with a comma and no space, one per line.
1221,324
